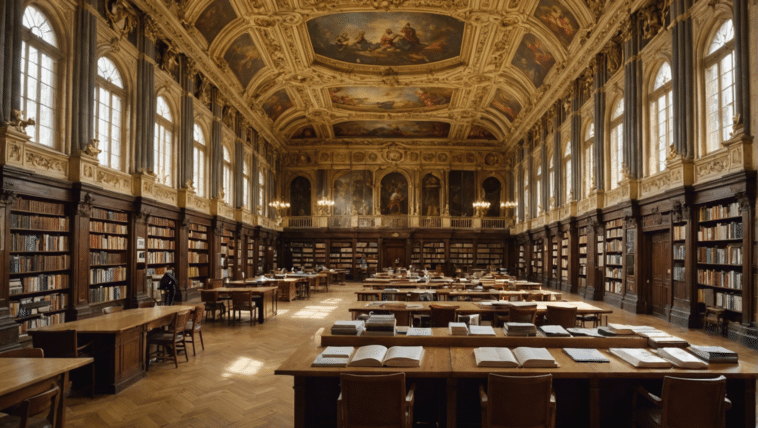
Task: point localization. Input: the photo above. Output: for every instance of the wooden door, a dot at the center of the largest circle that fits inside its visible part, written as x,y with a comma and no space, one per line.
660,273
392,251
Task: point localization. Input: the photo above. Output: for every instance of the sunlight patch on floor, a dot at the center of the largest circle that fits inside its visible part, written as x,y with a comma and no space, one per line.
314,312
243,368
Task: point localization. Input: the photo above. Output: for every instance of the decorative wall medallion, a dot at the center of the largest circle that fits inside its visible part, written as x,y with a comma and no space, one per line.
414,157
324,157
373,157
470,158
491,159
359,156
340,157
393,155
428,157
442,157
458,158
45,163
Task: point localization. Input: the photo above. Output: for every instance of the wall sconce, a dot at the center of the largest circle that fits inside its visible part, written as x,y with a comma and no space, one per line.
279,206
324,205
481,207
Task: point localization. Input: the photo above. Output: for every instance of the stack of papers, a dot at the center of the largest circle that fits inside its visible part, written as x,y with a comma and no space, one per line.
682,359
481,330
519,329
590,332
416,331
458,329
354,328
581,355
714,354
334,356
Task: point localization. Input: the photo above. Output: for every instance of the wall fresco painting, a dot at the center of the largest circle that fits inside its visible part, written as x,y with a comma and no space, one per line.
394,99
300,197
504,104
214,18
386,38
244,59
480,133
353,194
558,19
430,195
533,58
277,104
394,194
387,129
304,133
491,187
462,193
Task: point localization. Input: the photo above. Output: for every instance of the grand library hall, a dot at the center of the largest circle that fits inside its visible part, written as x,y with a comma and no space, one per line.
378,213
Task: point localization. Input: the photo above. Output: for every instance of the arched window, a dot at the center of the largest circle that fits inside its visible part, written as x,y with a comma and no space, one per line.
538,186
719,87
551,177
261,191
40,57
526,191
227,172
110,114
568,185
164,143
616,144
661,119
246,183
589,160
199,155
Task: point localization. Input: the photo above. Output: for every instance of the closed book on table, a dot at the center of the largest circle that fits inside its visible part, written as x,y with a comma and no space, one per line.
581,355
714,354
682,359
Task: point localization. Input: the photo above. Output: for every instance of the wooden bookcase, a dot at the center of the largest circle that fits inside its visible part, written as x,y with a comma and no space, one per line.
260,269
614,249
564,256
554,259
227,253
198,254
521,261
302,254
582,274
433,253
40,262
109,243
462,255
537,259
369,250
720,237
341,255
679,239
319,253
250,268
487,254
416,255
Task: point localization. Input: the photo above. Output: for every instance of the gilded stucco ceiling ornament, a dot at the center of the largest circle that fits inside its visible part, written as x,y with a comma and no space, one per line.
122,16
386,4
151,28
613,53
275,51
221,64
596,6
169,60
390,77
652,20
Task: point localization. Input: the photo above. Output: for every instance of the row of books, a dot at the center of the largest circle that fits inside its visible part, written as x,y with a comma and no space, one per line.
39,263
614,259
42,242
160,231
43,321
680,233
161,257
106,294
719,212
720,231
112,274
21,221
164,222
197,245
106,258
612,246
101,214
104,227
43,304
34,284
103,242
22,204
194,271
731,255
730,301
160,244
197,257
197,235
720,278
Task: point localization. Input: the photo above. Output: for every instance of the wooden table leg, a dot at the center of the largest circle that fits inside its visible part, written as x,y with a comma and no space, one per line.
60,418
452,398
299,388
594,403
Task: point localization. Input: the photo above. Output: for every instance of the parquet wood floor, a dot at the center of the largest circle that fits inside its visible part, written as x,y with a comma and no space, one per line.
231,383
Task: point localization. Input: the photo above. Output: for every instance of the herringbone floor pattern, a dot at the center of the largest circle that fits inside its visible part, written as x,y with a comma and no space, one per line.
231,383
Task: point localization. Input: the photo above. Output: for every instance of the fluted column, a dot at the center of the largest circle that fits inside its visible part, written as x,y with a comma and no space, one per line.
84,75
529,158
239,160
11,12
576,143
557,183
144,157
519,171
599,98
742,64
216,157
186,169
683,79
545,197
632,145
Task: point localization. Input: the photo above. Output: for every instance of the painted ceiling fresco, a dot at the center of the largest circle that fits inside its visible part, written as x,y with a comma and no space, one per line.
388,39
504,104
277,104
244,59
533,58
480,133
304,133
214,18
391,129
558,19
384,99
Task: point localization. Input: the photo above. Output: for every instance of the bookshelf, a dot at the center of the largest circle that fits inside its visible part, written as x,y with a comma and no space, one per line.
227,254
521,261
462,255
261,259
433,253
554,259
679,232
416,255
487,254
319,253
341,255
302,254
275,259
582,274
564,256
40,263
370,250
537,261
109,245
719,257
614,248
198,254
250,257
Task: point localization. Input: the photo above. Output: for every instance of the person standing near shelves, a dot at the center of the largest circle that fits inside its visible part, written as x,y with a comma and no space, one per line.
168,285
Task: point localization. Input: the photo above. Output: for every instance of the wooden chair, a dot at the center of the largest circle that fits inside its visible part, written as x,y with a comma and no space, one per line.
64,344
562,316
714,316
690,403
375,401
518,401
23,353
173,339
214,283
113,309
442,315
523,314
243,301
195,325
146,304
35,412
212,304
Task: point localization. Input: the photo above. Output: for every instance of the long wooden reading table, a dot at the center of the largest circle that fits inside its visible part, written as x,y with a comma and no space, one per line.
119,342
264,297
26,377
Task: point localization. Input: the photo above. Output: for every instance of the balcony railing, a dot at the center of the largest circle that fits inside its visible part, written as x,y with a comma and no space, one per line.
395,222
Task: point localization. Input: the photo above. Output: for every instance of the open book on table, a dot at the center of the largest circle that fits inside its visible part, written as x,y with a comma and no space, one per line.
519,357
682,359
378,356
640,357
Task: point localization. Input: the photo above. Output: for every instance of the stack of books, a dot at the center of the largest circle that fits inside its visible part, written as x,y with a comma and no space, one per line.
682,359
351,328
660,339
519,329
714,354
334,356
380,325
554,331
458,328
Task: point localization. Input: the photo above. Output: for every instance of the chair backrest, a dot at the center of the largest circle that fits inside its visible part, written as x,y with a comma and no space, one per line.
197,315
180,321
215,283
56,344
23,353
693,403
373,400
441,315
242,297
38,404
146,304
562,316
208,296
518,401
112,309
522,314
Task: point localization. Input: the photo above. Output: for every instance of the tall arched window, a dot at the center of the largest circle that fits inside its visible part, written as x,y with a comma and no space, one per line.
246,183
551,178
616,144
200,164
227,172
661,119
164,143
589,159
719,87
526,191
40,57
568,185
538,185
261,191
110,114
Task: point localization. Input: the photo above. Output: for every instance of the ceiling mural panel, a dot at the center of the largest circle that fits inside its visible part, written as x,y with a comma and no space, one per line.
214,18
244,59
389,99
504,104
304,133
533,58
277,104
391,129
386,38
480,133
558,19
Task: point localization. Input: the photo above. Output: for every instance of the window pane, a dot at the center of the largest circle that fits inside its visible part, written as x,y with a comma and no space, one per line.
723,36
39,25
